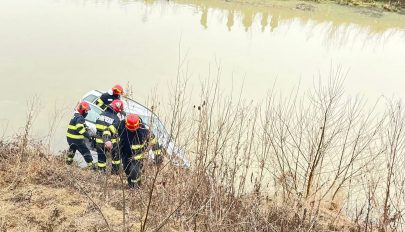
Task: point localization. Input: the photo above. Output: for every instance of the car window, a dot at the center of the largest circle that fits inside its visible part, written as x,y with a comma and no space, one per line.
90,98
93,113
148,117
155,125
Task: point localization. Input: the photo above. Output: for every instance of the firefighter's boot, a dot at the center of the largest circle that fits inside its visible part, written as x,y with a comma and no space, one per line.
69,158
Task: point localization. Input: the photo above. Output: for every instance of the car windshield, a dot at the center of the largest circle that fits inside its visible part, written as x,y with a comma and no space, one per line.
148,117
90,98
155,125
93,113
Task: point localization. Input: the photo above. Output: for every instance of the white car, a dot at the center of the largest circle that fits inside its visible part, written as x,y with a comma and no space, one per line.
177,155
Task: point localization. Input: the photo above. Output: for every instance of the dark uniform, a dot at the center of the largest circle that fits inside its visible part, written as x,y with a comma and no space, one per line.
77,131
133,147
107,130
105,99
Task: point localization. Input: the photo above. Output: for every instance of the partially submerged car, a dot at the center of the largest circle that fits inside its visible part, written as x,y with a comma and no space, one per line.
177,155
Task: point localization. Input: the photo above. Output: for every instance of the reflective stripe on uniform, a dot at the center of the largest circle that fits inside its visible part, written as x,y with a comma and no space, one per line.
153,141
107,133
138,157
71,127
82,131
100,127
157,152
98,140
75,136
100,102
102,165
74,129
89,164
136,147
79,125
115,161
112,129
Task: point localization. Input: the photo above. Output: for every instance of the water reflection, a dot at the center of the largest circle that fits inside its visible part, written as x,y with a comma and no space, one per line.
204,17
338,15
339,25
247,20
264,22
273,23
271,14
230,20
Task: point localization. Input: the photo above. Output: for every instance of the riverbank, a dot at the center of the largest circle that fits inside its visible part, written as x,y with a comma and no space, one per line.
39,192
390,6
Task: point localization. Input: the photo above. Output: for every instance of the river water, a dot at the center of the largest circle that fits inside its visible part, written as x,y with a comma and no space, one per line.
57,50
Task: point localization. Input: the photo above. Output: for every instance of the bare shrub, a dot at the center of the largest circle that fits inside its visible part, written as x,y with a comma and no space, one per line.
308,161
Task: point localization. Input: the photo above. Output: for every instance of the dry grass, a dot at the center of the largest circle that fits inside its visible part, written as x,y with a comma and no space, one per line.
40,193
310,162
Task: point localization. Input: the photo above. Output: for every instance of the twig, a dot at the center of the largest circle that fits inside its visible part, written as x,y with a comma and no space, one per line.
143,227
94,203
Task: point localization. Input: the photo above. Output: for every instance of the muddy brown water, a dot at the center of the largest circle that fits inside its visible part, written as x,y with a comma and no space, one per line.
57,50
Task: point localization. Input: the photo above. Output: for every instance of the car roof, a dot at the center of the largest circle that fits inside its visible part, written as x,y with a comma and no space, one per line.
130,105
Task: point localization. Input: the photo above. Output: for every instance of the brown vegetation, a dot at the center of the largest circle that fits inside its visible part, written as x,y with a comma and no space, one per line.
306,162
40,193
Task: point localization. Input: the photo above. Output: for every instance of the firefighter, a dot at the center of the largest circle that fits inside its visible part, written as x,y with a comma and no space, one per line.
107,136
77,131
135,141
107,98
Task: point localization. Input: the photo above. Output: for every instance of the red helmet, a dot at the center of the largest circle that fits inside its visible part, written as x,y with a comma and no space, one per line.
83,107
132,122
117,89
117,105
